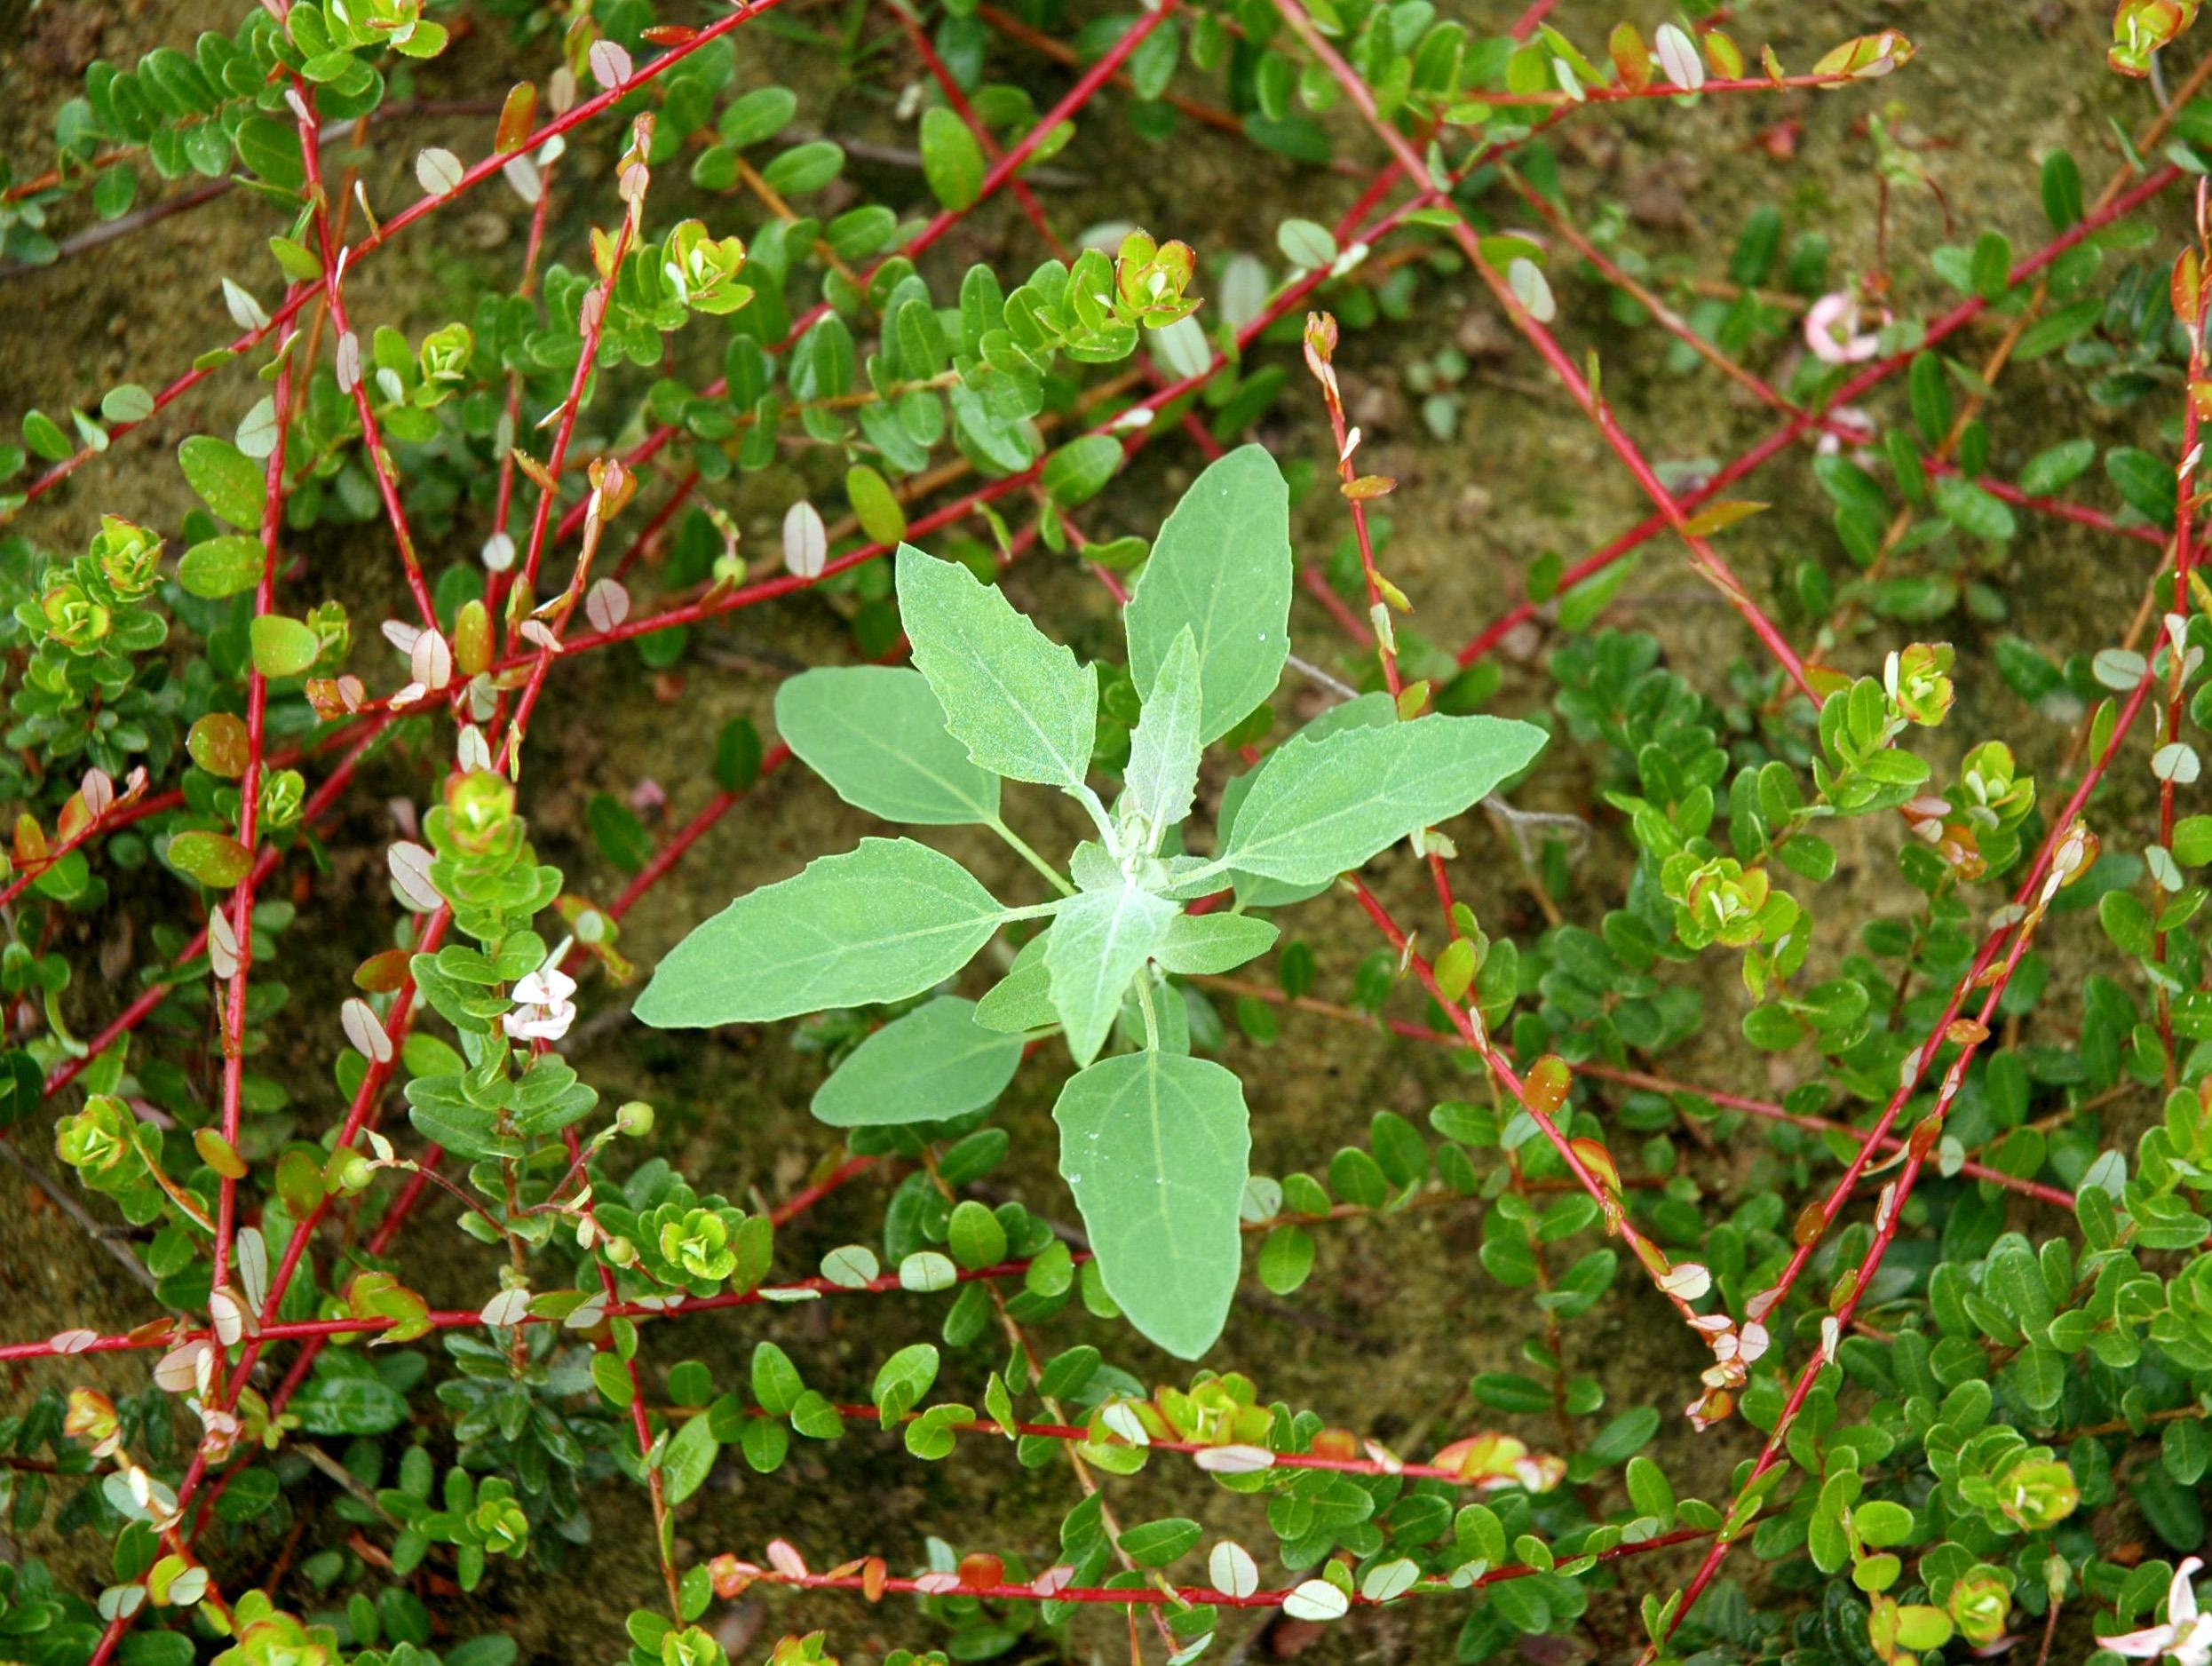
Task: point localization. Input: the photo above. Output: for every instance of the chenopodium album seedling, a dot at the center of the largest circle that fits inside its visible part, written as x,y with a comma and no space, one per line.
1154,1142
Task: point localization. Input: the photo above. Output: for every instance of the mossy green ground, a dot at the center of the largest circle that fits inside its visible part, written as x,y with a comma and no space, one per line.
1399,1313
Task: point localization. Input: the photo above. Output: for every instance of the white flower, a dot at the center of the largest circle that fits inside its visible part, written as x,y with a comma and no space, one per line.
2186,1635
1832,330
543,1010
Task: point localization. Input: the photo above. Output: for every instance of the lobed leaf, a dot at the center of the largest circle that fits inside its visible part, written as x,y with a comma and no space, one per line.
1017,702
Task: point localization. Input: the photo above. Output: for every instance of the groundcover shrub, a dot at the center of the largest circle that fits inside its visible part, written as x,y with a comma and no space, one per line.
1696,1073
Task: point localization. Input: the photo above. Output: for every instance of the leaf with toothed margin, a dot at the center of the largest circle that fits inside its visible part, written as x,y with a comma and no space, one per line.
881,923
1161,779
1019,702
1099,941
1319,808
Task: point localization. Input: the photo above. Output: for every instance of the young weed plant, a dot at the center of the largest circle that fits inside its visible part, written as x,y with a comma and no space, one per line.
1154,1142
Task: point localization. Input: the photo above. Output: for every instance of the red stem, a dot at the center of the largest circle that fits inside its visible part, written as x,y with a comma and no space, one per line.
334,264
233,1019
421,207
1555,357
1782,439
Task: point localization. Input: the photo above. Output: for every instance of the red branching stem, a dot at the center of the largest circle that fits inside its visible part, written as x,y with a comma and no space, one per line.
1616,94
639,1427
1086,88
792,1207
650,535
1768,1112
1648,1255
361,1113
1532,19
352,354
466,1318
713,602
957,100
918,38
1676,326
2176,679
503,507
995,179
1317,585
241,903
2122,204
1708,559
1320,343
595,304
137,1011
129,805
1205,114
1979,975
420,209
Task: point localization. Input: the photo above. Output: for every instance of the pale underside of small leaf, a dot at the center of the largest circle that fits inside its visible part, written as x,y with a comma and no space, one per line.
1319,808
880,923
1100,939
1155,1147
1163,775
877,736
1221,566
932,1063
1019,702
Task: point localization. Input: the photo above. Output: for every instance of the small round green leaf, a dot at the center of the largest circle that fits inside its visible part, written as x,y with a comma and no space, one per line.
282,647
222,566
215,860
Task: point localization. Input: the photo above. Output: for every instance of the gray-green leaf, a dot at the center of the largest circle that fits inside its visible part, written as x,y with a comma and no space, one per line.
877,734
1222,567
1163,775
1374,711
1201,944
1155,1147
877,923
1319,808
1021,1000
1017,702
935,1062
1099,941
